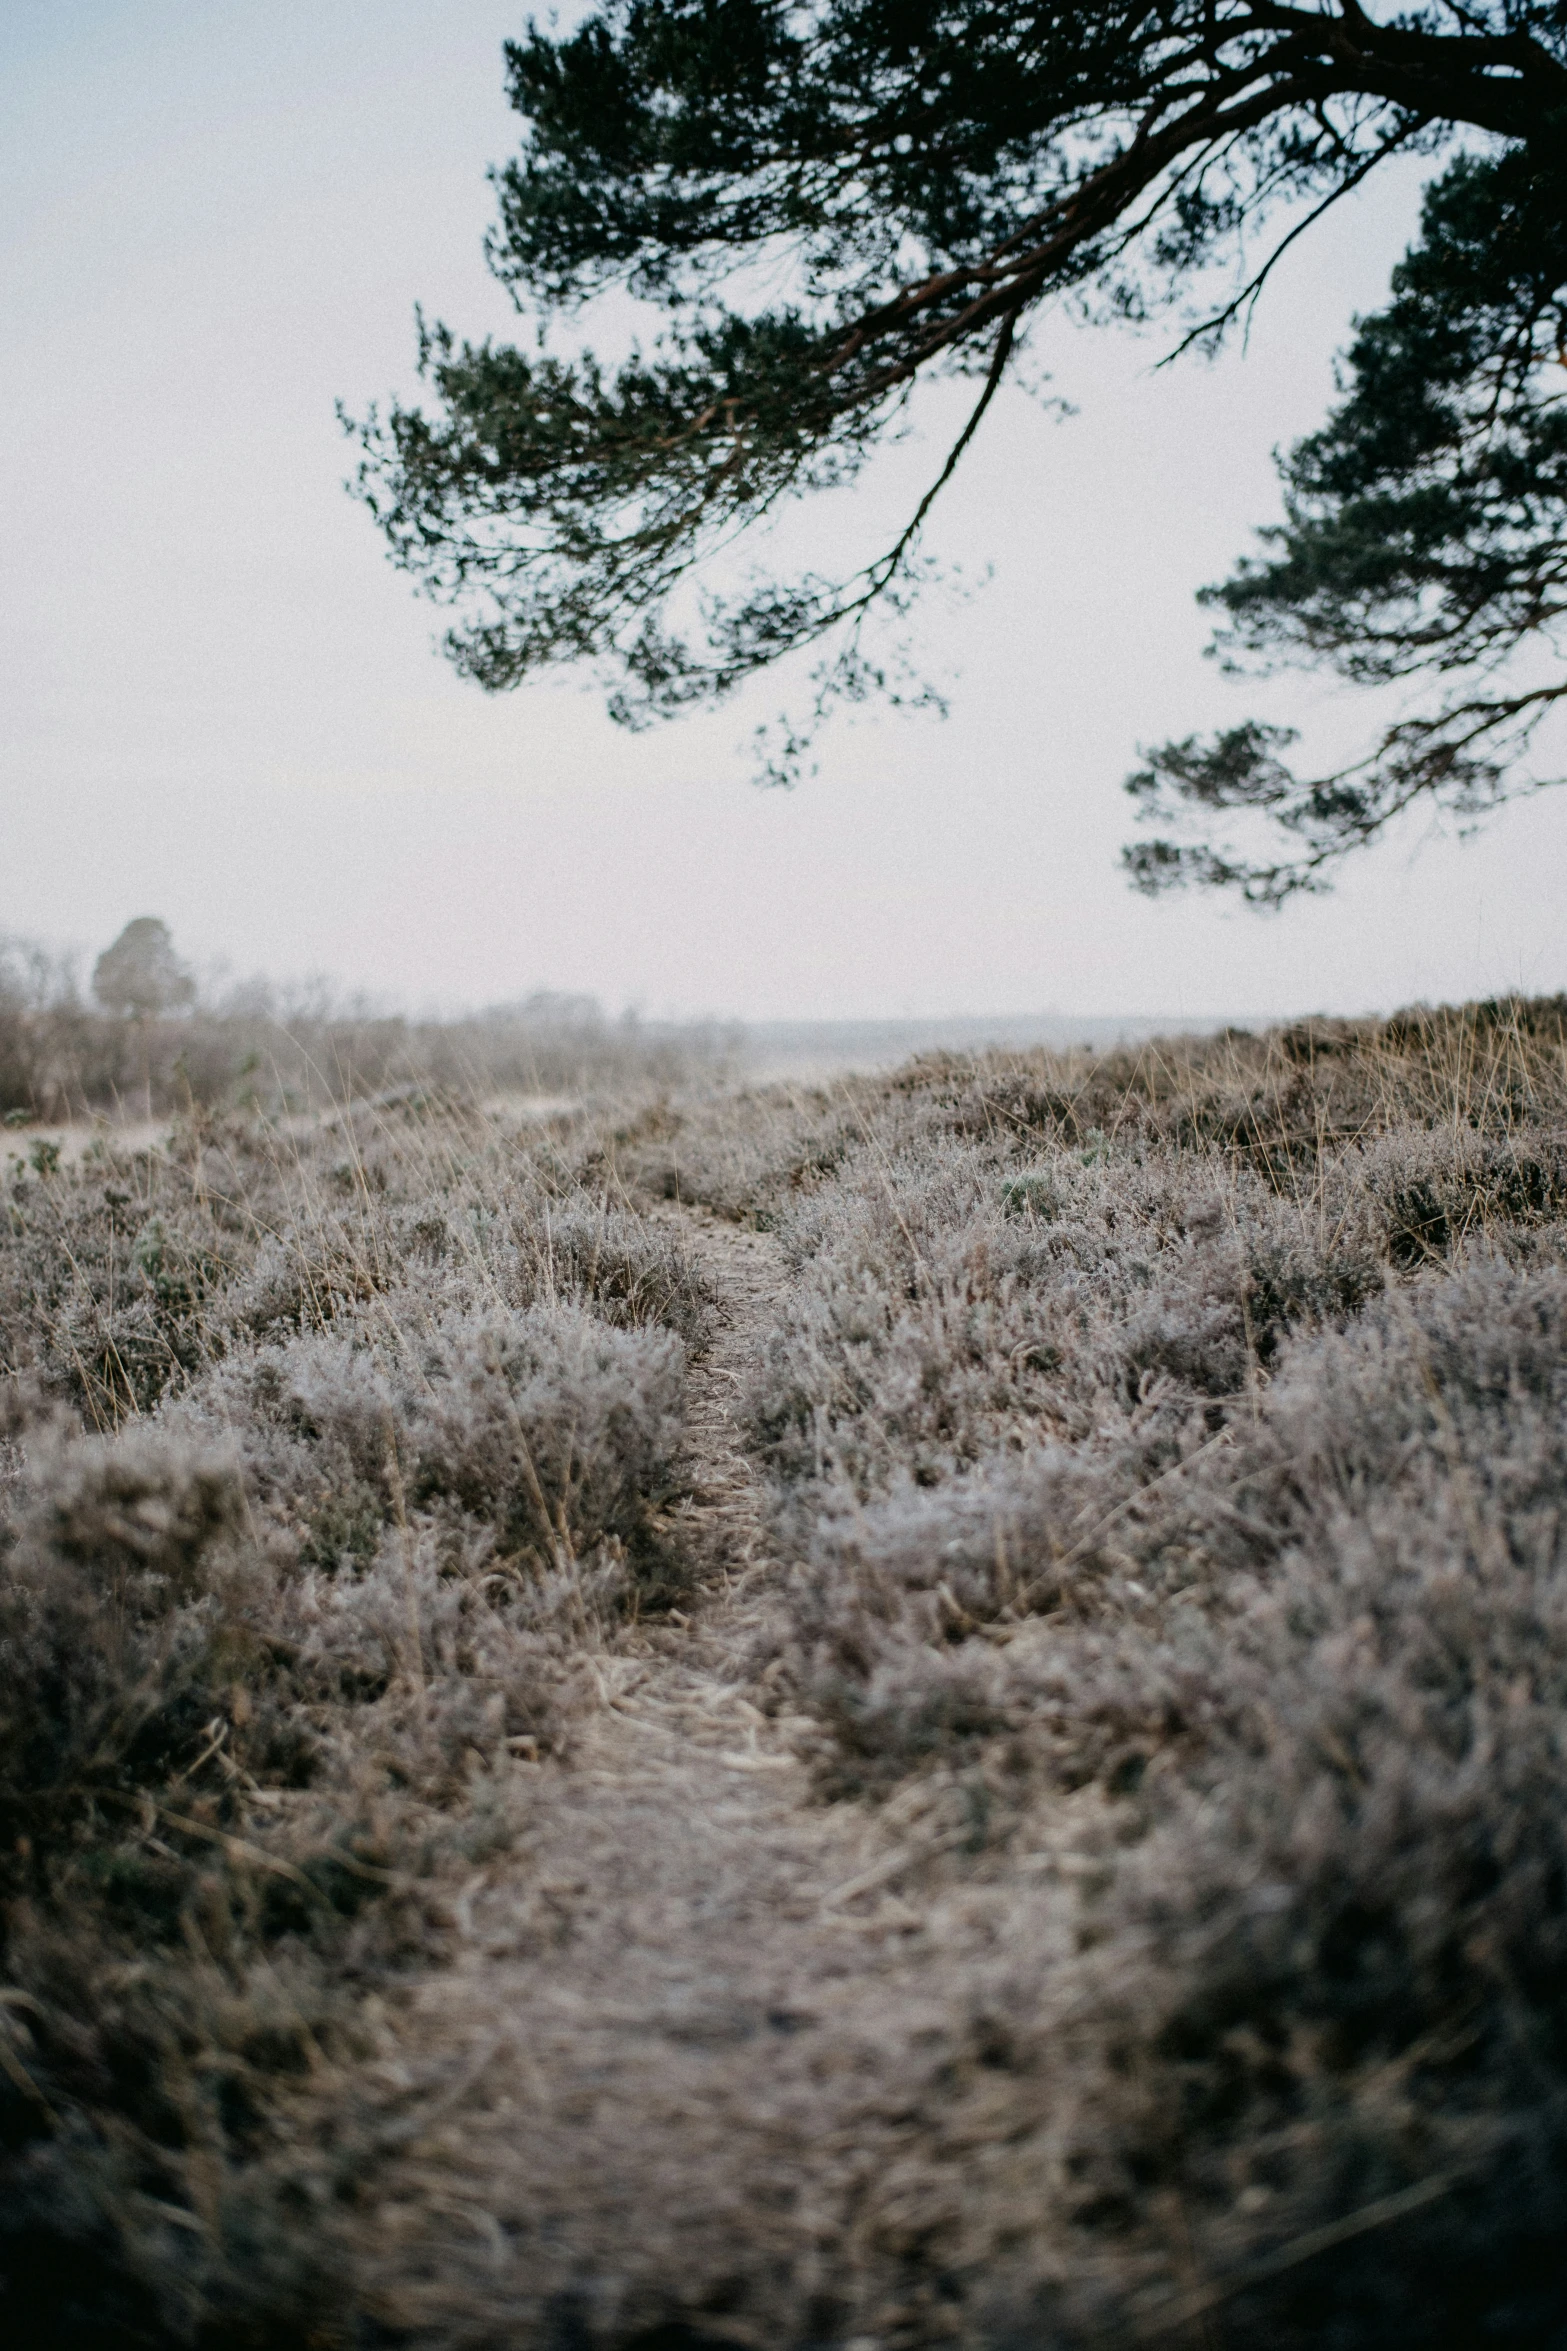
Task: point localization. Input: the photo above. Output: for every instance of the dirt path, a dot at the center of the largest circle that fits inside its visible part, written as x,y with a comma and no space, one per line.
685,1801
723,1522
706,1998
684,1697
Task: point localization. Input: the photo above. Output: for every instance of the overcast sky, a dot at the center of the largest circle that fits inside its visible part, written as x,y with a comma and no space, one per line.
221,704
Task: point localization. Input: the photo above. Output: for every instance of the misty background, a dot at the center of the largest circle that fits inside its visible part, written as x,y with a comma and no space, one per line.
222,706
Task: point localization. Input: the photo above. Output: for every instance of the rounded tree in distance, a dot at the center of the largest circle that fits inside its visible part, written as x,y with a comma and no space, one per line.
140,978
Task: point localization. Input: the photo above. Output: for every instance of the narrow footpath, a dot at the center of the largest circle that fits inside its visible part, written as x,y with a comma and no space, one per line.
707,1997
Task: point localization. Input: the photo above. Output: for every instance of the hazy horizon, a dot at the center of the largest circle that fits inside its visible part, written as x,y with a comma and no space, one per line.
220,987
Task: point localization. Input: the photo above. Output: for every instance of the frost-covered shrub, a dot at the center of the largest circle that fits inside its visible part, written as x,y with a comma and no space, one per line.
749,1157
110,1632
140,1517
942,1313
550,1426
301,1280
410,1935
232,1789
125,1275
630,1272
283,1659
551,1429
107,1302
484,1660
1318,1673
1434,1190
1353,1905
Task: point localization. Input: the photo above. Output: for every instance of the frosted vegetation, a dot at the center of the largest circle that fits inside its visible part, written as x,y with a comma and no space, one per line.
1127,1899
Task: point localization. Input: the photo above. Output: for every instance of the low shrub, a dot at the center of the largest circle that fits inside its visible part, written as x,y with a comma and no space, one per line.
418,1931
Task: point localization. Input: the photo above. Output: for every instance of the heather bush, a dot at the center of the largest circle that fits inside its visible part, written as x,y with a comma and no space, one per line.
281,1647
556,1431
1351,1893
124,1276
748,1159
109,1628
1201,1486
1072,1852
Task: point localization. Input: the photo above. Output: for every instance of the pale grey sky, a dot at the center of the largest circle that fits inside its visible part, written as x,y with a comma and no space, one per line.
221,705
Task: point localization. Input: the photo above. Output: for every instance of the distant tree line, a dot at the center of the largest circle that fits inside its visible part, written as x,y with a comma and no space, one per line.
144,1042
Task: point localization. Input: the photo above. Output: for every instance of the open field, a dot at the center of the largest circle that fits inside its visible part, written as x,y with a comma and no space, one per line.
924,1711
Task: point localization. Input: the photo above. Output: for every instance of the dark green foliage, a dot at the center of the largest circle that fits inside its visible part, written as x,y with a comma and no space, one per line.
824,205
1426,535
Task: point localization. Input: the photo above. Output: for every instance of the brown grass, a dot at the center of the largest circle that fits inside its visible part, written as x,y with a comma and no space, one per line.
983,1766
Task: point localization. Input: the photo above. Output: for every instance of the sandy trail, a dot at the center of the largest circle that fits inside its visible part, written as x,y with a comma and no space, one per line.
680,1726
700,1995
723,1521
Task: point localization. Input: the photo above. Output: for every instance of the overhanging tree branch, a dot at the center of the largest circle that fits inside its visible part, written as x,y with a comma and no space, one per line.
923,182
